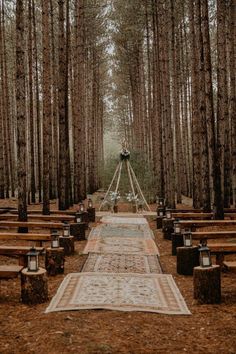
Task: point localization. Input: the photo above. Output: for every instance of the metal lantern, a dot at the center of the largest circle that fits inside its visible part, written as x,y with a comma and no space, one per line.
187,237
168,214
78,217
33,260
66,229
90,203
160,211
205,255
177,227
54,239
81,207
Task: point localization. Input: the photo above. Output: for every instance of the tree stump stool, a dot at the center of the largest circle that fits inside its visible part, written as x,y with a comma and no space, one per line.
167,228
159,222
78,230
177,241
54,260
34,286
68,243
91,214
187,259
207,284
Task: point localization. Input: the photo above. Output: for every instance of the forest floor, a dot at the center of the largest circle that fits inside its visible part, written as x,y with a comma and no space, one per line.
27,329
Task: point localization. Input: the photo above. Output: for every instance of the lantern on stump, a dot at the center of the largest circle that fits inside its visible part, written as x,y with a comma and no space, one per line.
160,212
177,227
90,203
187,237
66,229
78,217
205,255
168,214
81,207
54,239
33,260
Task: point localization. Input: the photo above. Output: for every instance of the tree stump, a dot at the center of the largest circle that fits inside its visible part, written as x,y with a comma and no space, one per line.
54,261
115,208
207,284
177,241
159,222
78,230
34,286
167,228
68,243
187,259
91,214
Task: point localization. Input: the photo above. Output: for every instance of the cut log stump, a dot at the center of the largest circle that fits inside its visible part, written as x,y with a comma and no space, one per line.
34,286
159,222
68,243
167,228
187,259
177,241
78,230
54,261
207,284
91,214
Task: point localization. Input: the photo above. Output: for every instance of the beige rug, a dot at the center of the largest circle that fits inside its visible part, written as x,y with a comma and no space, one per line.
121,263
124,220
123,292
110,230
125,245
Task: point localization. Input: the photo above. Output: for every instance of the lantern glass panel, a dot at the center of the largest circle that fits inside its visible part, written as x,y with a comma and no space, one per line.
66,230
32,260
90,204
187,239
168,214
177,228
54,239
81,207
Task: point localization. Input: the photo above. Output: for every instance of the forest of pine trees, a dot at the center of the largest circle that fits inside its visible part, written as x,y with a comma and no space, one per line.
161,72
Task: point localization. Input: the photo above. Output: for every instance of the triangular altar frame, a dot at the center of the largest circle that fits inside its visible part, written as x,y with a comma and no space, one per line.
134,185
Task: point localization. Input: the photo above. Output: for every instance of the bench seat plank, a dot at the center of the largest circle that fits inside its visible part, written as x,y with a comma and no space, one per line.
10,271
29,224
222,247
39,217
197,235
17,250
230,265
25,237
205,223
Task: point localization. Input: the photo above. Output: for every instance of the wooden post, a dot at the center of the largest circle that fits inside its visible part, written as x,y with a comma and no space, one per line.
187,259
78,230
34,286
54,261
177,241
207,284
167,228
159,222
91,214
68,243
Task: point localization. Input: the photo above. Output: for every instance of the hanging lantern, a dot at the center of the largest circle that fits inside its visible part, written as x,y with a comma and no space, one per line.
168,214
33,260
177,227
90,203
187,237
78,217
66,229
54,239
205,255
81,207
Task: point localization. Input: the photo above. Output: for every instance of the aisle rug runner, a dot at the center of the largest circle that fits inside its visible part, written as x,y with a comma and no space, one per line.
124,220
121,263
109,230
123,292
125,245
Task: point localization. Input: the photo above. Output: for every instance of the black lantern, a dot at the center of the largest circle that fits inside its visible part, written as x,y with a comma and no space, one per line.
205,255
90,203
54,239
168,214
177,227
187,237
160,212
66,229
78,217
33,260
81,207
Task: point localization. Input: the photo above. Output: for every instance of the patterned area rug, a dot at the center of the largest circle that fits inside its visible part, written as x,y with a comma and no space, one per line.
123,220
109,230
123,245
123,292
121,263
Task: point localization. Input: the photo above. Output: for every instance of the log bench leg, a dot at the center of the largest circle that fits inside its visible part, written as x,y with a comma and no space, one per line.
167,228
159,222
207,284
68,243
34,286
187,259
177,241
220,259
54,260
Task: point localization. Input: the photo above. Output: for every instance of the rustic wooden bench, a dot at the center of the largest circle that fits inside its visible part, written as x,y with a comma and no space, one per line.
19,252
56,218
38,238
229,266
195,224
10,271
222,249
52,212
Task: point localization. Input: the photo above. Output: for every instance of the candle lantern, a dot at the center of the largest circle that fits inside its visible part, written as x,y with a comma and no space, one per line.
90,203
54,239
205,255
81,207
177,227
187,237
78,217
33,260
168,214
66,229
160,212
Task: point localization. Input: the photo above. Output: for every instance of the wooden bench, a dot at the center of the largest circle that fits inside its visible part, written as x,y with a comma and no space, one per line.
10,271
69,218
229,266
19,252
52,212
195,224
222,249
38,238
